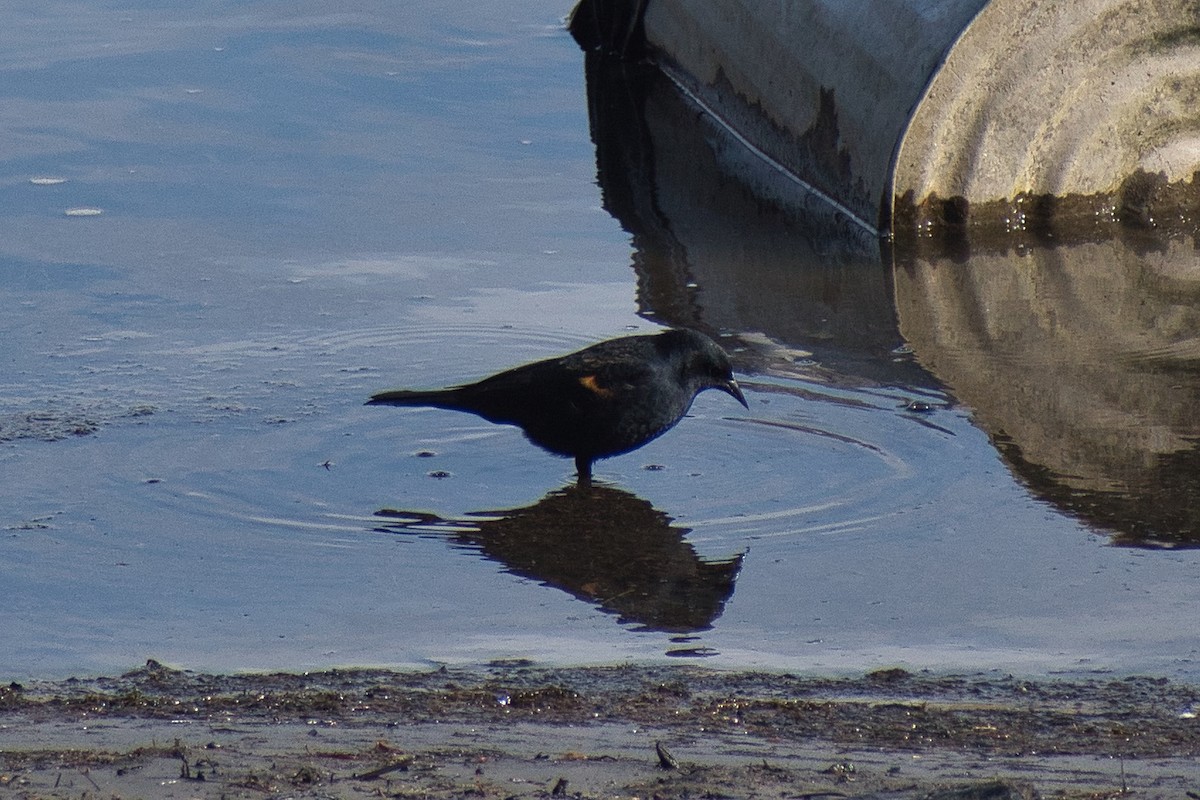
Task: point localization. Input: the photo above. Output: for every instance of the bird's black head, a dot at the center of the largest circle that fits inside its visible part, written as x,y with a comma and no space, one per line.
702,362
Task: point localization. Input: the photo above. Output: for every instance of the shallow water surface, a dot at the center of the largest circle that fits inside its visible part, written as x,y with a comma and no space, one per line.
300,207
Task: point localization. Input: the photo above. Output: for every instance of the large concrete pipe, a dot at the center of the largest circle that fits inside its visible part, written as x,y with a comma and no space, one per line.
1001,114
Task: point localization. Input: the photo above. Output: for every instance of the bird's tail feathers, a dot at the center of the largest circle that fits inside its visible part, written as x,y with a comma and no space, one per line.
440,398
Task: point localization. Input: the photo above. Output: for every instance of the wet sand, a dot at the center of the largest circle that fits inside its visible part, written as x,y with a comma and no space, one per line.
516,730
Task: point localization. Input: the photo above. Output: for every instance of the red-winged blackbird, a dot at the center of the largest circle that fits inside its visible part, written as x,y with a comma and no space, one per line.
601,401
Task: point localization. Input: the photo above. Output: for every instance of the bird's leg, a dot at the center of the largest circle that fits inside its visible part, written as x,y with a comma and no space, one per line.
583,470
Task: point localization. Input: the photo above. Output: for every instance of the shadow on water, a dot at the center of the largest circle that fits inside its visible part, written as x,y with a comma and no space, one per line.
1077,350
599,544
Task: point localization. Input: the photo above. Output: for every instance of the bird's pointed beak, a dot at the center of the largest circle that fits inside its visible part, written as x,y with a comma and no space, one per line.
731,388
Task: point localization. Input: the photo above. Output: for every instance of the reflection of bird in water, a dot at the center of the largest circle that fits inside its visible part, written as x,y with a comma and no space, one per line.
601,401
601,545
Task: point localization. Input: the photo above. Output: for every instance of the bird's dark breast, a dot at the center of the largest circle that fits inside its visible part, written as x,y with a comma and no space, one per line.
602,424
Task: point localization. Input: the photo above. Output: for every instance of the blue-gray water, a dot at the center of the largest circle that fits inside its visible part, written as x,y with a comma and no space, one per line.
300,205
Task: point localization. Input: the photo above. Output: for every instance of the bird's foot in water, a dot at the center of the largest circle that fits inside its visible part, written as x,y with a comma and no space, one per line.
583,471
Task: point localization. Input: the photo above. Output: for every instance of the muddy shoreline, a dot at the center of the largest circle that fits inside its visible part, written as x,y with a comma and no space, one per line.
516,730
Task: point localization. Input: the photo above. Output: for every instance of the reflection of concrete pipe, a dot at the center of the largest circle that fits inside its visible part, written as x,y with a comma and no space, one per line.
1081,363
724,243
948,111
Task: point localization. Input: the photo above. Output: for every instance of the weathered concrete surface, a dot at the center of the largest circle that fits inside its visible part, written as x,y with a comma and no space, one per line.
943,112
1060,99
823,88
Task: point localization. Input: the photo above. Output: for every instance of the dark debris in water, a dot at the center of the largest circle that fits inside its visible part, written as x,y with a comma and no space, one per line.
46,426
57,424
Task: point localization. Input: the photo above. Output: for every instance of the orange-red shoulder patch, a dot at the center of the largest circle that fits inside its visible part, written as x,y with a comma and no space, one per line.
589,382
